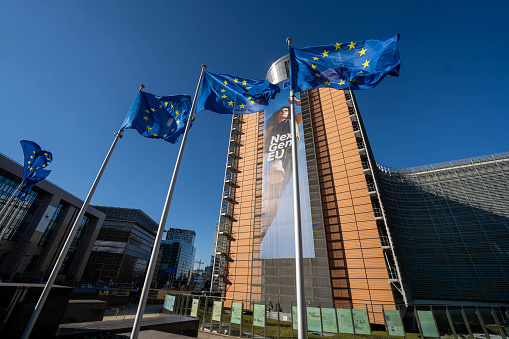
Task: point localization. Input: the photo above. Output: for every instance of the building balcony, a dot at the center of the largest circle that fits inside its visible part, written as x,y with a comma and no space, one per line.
234,155
228,216
227,235
230,199
225,255
235,142
232,168
372,189
231,183
384,242
378,213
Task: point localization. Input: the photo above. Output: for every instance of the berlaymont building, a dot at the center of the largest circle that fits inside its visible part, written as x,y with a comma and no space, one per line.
373,236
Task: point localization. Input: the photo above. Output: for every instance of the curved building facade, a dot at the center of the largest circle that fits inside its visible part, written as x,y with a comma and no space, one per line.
450,224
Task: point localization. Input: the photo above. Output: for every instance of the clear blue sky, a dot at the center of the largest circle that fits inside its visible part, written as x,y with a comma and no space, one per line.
69,71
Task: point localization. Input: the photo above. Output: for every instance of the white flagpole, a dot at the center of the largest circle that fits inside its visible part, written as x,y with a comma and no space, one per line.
162,223
68,243
299,268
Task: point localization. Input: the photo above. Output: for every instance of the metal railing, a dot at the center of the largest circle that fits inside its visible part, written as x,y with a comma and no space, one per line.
250,318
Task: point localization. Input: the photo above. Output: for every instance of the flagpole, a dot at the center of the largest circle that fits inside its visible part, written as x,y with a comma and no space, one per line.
162,223
68,242
299,268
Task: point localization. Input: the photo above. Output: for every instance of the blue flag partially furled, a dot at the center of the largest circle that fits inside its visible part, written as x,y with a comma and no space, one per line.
354,65
228,94
36,160
159,117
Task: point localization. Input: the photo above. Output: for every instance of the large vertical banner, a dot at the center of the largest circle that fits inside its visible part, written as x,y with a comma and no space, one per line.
277,226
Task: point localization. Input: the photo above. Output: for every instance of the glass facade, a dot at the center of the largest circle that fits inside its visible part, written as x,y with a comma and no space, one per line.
450,223
122,250
21,213
177,256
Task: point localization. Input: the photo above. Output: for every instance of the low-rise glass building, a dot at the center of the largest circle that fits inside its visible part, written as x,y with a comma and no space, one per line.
121,253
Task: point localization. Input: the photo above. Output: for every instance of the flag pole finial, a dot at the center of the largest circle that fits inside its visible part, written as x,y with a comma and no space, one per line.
288,40
204,66
142,86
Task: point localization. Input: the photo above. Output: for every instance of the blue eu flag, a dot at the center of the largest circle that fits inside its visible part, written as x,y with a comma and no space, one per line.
354,65
228,94
35,158
159,117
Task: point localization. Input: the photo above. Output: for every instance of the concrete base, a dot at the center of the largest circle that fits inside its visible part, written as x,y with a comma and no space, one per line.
168,324
78,311
17,303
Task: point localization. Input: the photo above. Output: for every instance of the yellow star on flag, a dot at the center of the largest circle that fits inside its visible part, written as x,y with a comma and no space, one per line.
226,83
164,136
318,74
249,98
342,82
145,118
149,128
177,112
236,80
147,111
155,135
362,52
352,45
242,106
43,165
178,121
325,53
31,157
153,109
230,103
160,106
29,162
173,130
248,87
313,66
223,90
45,153
360,72
315,58
166,103
244,83
327,83
252,102
366,64
337,45
353,80
171,105
223,97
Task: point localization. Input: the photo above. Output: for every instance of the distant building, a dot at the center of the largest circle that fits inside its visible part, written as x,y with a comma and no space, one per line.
37,230
176,259
121,253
